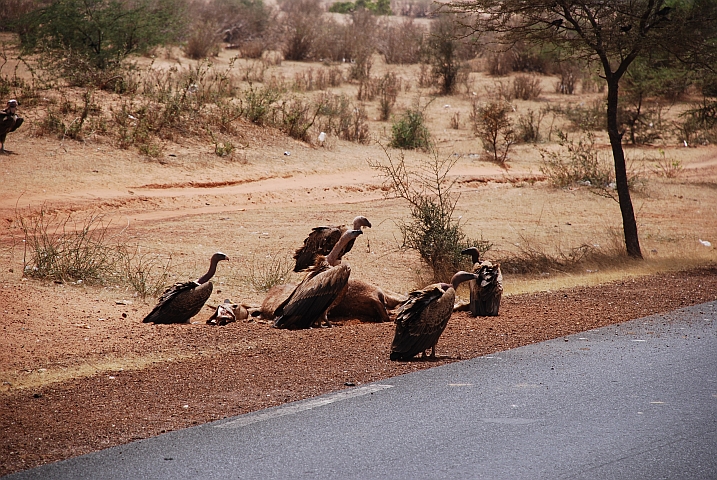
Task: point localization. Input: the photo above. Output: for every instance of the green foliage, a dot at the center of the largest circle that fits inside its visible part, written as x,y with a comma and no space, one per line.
103,32
379,7
432,231
410,131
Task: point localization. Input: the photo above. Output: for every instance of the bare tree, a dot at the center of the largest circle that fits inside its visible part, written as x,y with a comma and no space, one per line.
613,33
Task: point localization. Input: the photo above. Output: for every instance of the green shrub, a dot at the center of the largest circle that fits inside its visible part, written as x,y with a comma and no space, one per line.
410,131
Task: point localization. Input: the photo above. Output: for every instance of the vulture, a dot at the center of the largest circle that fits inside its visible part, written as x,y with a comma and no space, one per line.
423,317
182,301
487,290
323,286
321,240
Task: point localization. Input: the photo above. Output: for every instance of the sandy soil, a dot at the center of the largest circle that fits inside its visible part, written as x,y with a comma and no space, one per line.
80,372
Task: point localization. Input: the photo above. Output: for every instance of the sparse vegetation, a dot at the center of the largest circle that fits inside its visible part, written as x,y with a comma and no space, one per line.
433,231
268,271
580,165
85,250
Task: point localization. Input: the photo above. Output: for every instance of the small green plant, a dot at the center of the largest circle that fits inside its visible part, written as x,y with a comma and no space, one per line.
268,271
667,167
410,131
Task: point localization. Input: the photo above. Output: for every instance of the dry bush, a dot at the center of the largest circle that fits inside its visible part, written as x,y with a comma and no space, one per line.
202,41
569,76
526,87
584,117
402,43
362,32
499,63
666,166
425,77
528,128
413,8
301,24
577,164
535,259
388,87
268,271
455,121
252,48
494,128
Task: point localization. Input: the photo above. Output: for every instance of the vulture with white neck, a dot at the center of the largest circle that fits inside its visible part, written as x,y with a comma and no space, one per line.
423,317
182,301
487,289
322,288
321,241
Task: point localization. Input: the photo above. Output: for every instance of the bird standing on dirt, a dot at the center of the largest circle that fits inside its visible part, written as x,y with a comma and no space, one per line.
423,317
487,290
323,287
322,239
182,301
9,122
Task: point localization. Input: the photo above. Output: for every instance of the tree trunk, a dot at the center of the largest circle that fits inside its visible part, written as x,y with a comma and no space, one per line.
629,225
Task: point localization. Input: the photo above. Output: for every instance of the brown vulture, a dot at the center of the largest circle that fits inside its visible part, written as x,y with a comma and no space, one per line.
321,240
487,290
323,287
182,301
423,317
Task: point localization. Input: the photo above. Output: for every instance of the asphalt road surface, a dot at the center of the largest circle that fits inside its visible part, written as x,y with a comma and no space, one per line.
631,401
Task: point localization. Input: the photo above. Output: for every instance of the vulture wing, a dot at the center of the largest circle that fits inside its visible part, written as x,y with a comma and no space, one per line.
421,321
319,242
312,297
180,302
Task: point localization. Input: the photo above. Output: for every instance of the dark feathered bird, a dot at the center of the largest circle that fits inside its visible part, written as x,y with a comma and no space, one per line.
322,288
182,301
664,11
487,289
321,240
557,23
625,28
423,317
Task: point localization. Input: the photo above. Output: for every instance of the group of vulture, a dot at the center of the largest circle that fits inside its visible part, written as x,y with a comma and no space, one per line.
325,289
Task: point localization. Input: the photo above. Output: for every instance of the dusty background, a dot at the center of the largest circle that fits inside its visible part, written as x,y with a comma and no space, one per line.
79,371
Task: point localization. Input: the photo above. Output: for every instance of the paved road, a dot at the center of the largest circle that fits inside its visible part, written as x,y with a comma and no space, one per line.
631,401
